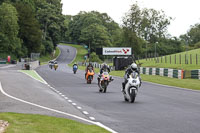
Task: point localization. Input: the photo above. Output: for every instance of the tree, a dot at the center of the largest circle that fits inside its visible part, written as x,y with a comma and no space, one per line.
50,18
130,39
9,28
144,24
95,36
30,31
148,24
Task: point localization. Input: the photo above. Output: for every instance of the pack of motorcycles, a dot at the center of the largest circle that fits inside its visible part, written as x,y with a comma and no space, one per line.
131,87
53,64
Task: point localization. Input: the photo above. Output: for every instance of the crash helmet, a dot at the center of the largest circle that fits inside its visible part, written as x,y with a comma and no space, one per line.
134,67
104,65
90,64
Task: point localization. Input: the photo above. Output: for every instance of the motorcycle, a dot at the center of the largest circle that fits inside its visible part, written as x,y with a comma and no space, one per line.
131,87
55,66
89,75
75,68
51,64
103,82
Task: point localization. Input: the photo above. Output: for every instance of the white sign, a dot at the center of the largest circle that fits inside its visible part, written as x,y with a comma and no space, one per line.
117,51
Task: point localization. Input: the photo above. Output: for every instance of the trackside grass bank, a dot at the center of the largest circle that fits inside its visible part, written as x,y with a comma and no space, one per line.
189,60
27,123
183,83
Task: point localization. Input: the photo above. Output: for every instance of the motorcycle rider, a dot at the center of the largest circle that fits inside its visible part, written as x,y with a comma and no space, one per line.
90,66
133,67
104,68
55,65
75,64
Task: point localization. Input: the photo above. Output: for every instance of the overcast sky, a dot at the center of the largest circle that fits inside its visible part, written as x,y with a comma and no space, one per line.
184,12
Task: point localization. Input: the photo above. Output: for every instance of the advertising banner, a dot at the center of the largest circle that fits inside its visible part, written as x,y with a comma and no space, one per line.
117,51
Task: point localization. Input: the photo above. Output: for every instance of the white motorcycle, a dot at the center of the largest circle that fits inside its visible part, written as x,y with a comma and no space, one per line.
131,87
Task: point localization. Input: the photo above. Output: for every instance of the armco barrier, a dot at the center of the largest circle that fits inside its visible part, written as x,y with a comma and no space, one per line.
172,73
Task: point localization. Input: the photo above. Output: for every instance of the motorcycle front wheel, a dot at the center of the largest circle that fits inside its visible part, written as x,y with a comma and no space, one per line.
132,95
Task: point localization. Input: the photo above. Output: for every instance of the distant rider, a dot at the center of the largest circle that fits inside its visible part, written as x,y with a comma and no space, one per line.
55,65
132,68
75,64
90,66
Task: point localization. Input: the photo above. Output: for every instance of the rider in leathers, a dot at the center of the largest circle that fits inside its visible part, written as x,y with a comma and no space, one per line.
87,68
133,67
104,68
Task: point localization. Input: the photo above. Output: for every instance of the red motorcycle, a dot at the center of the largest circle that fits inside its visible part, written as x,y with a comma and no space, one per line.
104,81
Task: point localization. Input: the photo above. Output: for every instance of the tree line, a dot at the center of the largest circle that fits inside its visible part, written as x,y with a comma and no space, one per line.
37,26
30,26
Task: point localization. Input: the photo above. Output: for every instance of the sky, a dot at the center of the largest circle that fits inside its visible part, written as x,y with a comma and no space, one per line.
184,12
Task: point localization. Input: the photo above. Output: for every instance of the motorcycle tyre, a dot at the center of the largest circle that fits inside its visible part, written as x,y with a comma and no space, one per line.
132,96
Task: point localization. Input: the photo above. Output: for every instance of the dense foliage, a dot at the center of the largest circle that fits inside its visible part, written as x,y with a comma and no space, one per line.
28,26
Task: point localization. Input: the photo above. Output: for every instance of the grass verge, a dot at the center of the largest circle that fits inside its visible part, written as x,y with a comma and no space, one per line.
33,74
177,61
27,123
183,83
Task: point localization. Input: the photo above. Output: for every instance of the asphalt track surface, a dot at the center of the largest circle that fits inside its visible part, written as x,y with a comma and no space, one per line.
157,109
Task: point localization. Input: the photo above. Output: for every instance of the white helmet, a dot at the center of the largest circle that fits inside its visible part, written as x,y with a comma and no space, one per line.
134,66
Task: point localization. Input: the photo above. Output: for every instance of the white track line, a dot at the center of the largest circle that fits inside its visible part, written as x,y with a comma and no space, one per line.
57,111
70,101
66,97
79,107
92,118
85,112
74,104
40,77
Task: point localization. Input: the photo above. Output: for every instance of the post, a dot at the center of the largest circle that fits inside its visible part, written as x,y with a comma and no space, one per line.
175,58
155,51
146,51
196,59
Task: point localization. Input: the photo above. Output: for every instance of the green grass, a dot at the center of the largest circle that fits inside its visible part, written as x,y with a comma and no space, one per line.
33,74
151,62
45,58
27,123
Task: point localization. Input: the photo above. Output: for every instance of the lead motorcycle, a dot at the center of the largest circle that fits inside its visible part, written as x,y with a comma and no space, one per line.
104,81
131,87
